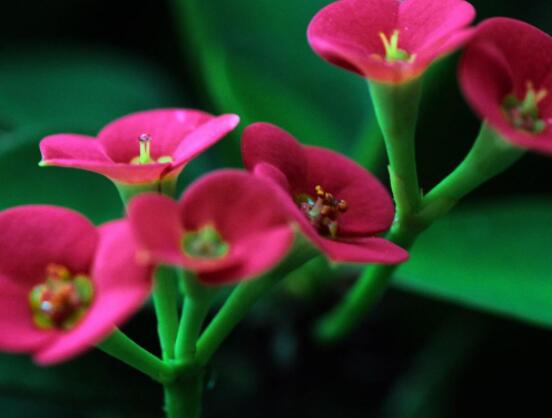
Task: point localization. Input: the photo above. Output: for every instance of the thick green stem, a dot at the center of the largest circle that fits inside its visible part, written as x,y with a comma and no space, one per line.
361,298
396,108
244,296
193,315
489,156
121,347
128,191
165,299
236,307
196,307
183,396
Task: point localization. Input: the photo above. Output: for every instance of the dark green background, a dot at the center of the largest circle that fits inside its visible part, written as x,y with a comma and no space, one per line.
72,66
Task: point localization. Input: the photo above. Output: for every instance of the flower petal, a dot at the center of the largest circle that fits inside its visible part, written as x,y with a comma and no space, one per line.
237,203
121,288
364,250
266,143
156,223
346,33
72,148
504,55
426,23
247,213
122,173
31,237
269,172
441,48
158,227
203,137
370,208
167,128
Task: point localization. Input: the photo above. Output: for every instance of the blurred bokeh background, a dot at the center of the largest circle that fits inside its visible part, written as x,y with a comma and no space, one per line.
465,329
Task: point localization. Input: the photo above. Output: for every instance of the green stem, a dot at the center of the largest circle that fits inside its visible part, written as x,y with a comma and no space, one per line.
396,108
183,396
196,307
193,315
360,299
121,347
236,307
128,191
489,156
245,295
165,297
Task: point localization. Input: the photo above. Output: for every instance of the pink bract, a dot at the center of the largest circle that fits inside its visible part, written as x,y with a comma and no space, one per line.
33,237
347,33
505,57
180,134
272,153
242,209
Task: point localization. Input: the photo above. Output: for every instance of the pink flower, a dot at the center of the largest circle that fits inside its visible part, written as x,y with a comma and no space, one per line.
339,206
64,285
506,76
228,226
140,148
389,41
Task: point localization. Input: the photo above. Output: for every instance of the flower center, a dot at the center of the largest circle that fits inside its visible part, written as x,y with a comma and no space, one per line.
323,211
204,243
392,51
145,152
61,300
524,114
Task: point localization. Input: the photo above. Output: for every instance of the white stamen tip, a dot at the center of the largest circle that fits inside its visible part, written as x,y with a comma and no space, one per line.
144,138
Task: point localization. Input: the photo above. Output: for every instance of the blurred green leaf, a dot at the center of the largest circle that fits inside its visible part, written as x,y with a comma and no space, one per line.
76,88
49,90
492,256
267,71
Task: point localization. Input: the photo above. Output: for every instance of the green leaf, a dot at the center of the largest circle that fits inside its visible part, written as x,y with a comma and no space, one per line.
75,88
493,256
255,59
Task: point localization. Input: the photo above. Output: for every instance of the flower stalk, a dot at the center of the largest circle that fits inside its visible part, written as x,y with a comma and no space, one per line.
196,306
165,295
121,347
489,156
396,108
183,396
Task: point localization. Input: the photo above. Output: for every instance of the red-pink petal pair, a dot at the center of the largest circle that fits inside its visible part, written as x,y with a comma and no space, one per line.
32,239
175,137
228,226
337,204
353,34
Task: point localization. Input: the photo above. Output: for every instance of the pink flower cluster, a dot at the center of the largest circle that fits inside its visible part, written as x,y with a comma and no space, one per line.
66,284
504,72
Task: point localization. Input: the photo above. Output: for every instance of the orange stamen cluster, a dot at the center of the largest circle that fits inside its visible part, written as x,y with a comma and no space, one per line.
324,211
61,300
